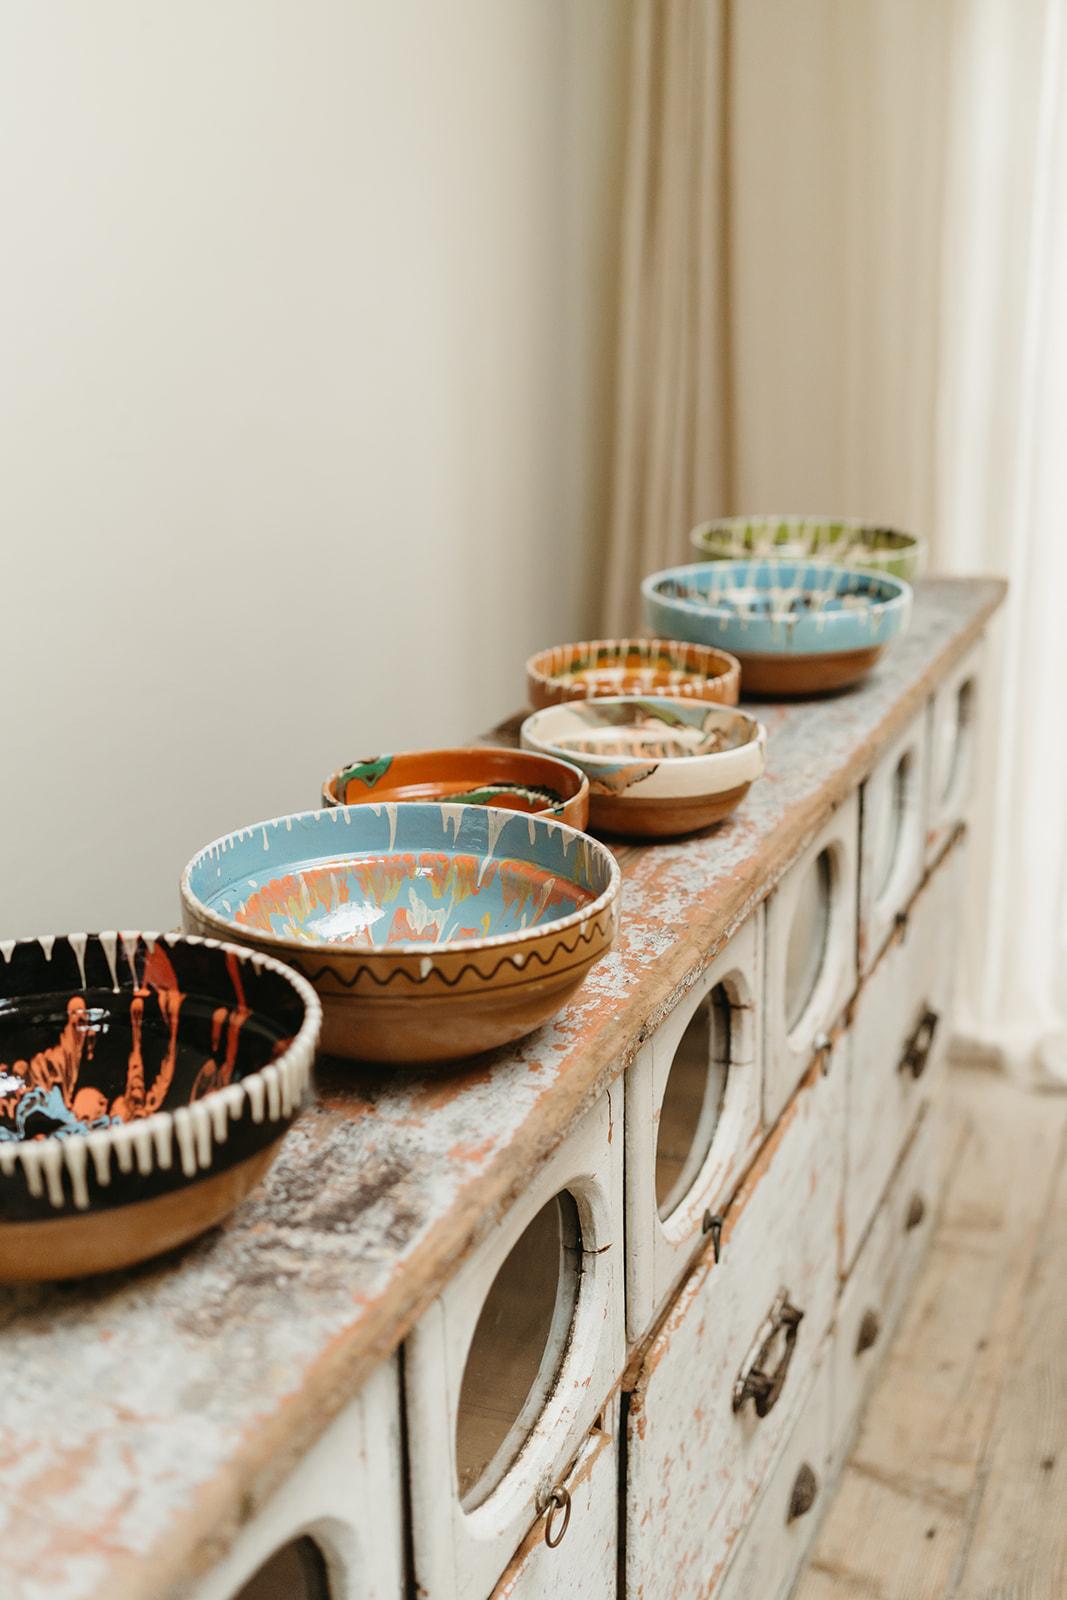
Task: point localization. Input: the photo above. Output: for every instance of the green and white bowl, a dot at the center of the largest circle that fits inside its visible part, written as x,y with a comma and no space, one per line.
844,543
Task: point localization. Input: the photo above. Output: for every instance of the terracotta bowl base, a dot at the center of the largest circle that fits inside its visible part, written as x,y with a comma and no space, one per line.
785,675
104,1241
417,1031
635,818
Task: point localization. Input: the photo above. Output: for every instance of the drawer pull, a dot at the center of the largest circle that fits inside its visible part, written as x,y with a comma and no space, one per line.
917,1050
558,1515
869,1329
805,1488
754,1382
916,1212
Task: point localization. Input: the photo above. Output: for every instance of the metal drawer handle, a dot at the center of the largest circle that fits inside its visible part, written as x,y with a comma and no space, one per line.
558,1518
754,1382
916,1212
805,1488
917,1050
869,1329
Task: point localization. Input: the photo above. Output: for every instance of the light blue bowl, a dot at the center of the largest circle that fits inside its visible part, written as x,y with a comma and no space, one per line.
796,627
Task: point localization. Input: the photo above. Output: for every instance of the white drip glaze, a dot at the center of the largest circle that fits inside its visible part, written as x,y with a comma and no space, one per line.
47,944
77,942
109,945
77,1160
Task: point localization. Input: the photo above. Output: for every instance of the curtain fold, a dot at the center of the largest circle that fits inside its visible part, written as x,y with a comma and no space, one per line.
844,290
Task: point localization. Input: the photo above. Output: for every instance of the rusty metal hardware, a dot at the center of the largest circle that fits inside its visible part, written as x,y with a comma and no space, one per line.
917,1050
916,1212
713,1225
823,1050
805,1488
869,1329
557,1501
754,1382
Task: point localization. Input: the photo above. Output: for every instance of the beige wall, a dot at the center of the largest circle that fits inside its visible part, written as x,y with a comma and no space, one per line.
303,410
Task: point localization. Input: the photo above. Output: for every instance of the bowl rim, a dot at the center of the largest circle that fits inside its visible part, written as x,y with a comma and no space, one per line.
512,752
280,1083
306,948
897,601
536,672
913,545
757,739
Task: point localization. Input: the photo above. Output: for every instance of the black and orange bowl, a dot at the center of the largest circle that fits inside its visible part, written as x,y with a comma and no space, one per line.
145,1083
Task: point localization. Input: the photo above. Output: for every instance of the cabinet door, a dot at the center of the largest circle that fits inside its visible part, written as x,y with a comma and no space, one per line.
509,1367
901,1029
334,1530
877,1288
892,839
953,722
582,1521
719,1386
692,1122
811,954
785,1521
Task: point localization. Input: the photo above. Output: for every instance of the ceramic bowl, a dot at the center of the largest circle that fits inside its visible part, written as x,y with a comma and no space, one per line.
842,542
796,627
145,1082
611,667
656,766
430,931
517,780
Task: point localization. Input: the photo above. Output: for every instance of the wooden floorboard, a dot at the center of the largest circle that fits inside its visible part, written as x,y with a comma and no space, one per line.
956,1486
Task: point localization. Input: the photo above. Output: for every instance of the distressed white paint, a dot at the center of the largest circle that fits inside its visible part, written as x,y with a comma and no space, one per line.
952,759
914,975
584,1565
346,1495
891,810
788,1051
882,1275
694,1466
776,1542
658,1252
462,1553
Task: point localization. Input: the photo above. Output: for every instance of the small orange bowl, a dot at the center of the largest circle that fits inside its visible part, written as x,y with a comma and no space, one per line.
516,780
599,668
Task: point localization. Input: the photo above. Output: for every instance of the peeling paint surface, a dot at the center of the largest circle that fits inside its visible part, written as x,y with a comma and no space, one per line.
147,1416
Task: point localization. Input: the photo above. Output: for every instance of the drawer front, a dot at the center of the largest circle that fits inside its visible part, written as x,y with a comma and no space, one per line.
892,839
896,1064
698,1450
508,1369
316,1536
787,1517
582,1560
877,1288
811,954
692,1122
953,724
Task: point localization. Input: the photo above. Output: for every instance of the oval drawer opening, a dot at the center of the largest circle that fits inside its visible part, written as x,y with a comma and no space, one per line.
958,738
693,1101
889,836
808,933
295,1572
518,1348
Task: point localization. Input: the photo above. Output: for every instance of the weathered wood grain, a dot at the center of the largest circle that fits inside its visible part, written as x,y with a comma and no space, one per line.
147,1417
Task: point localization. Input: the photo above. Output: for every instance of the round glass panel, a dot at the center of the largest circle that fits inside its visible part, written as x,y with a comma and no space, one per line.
806,949
964,713
518,1348
295,1572
692,1101
891,826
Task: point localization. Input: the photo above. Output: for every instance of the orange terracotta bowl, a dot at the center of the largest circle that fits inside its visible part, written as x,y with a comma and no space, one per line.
516,780
431,931
597,668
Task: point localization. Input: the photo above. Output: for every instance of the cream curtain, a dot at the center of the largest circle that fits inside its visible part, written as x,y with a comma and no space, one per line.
845,290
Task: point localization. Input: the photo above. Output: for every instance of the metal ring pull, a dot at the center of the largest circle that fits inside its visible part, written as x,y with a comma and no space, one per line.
754,1382
558,1500
917,1050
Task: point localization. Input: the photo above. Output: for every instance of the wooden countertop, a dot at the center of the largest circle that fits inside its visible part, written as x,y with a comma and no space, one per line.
146,1416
